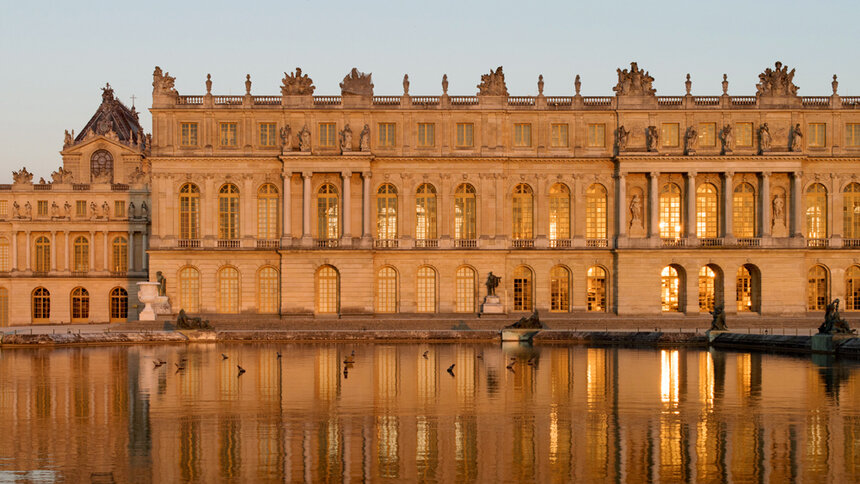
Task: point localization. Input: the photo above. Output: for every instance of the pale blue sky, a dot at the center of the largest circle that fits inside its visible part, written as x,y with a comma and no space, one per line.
54,56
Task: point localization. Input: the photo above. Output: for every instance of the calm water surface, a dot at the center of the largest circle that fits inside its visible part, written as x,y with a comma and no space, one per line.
574,414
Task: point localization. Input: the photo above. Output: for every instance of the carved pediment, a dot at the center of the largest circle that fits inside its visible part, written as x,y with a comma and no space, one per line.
493,84
297,84
635,82
357,83
776,82
22,177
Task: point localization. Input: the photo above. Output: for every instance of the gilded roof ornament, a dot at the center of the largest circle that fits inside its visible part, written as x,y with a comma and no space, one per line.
357,83
635,82
493,84
776,82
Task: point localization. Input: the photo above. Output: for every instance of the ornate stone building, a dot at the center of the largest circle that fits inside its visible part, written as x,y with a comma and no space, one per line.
630,205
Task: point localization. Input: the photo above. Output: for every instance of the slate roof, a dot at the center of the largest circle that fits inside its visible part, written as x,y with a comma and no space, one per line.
112,113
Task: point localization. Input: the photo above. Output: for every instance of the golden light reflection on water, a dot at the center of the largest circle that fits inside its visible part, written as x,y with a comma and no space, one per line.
559,414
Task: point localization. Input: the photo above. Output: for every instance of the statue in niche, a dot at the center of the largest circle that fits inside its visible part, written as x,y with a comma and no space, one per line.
305,139
635,211
493,84
55,210
67,209
131,210
22,177
144,210
718,323
357,83
621,137
727,138
635,82
346,139
652,138
28,210
778,82
162,283
297,84
492,283
764,138
405,84
16,210
796,139
778,210
691,140
833,323
105,210
93,209
364,139
286,140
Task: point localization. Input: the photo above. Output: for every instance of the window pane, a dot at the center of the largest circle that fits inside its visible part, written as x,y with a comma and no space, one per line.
596,293
559,289
228,134
559,136
744,134
707,213
426,290
596,135
465,290
386,290
464,135
595,212
670,134
228,290
743,209
189,289
426,135
817,135
670,211
269,291
707,134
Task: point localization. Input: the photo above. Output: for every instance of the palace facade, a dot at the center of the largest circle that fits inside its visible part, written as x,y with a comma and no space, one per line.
305,205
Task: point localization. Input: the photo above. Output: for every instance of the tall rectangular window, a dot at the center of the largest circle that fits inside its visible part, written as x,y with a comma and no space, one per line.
268,136
42,207
229,134
4,208
189,134
852,135
817,135
386,135
465,135
707,134
522,134
744,134
328,135
119,208
80,208
426,135
596,135
559,137
669,133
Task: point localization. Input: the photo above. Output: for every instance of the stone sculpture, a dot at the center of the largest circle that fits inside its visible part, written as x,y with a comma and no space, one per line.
55,210
691,140
105,210
764,138
834,84
635,82
531,321
577,84
493,84
286,140
540,85
62,176
93,209
208,83
144,210
725,85
652,138
635,210
16,210
183,321
67,209
718,323
445,84
364,139
357,83
28,210
492,283
778,210
727,138
796,139
833,323
776,82
297,84
621,137
162,283
247,84
405,84
163,83
22,177
68,139
305,139
131,210
346,139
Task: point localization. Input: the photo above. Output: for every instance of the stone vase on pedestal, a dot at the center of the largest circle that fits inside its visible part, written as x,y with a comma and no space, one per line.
147,293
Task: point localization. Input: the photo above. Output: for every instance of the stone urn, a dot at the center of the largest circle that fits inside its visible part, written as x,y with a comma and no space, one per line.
147,293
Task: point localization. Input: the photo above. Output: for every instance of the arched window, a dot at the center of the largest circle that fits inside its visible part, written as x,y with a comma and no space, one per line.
670,211
328,290
189,290
425,212
268,290
386,290
81,252
559,283
118,305
228,212
465,212
709,288
119,255
80,305
817,289
743,210
671,287
267,212
523,289
327,212
595,212
4,307
852,289
559,212
595,296
747,288
43,254
707,212
189,212
41,304
386,212
426,290
851,211
465,290
816,212
5,256
523,215
228,290
101,163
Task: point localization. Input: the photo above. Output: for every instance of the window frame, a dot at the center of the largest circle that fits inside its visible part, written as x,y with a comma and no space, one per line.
464,135
189,134
228,134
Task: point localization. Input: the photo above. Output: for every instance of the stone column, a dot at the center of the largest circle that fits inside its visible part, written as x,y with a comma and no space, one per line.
835,217
287,216
306,208
796,206
53,250
766,209
14,266
130,249
92,251
29,244
728,214
621,205
66,251
105,254
346,235
143,248
366,233
691,207
654,204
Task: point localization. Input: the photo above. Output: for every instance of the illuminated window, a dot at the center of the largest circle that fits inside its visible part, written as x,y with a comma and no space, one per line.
80,208
80,305
328,290
465,215
426,290
669,134
328,135
268,134
670,284
523,288
707,134
559,136
559,212
189,134
229,133
465,290
43,254
386,290
426,135
119,208
816,212
743,210
707,212
670,211
595,296
745,293
465,138
852,289
189,289
41,304
81,259
101,163
851,211
386,135
228,290
5,257
817,135
41,207
4,307
559,282
118,305
817,289
852,135
228,212
744,134
327,212
268,290
596,135
707,289
386,212
595,212
523,212
267,212
119,255
425,212
189,211
522,134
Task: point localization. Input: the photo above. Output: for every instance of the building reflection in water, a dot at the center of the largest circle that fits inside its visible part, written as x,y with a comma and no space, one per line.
564,414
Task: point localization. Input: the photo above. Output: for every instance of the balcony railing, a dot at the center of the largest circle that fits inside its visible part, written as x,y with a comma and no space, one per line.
327,243
466,243
711,242
673,243
597,243
267,100
523,243
425,101
851,243
188,243
559,244
749,242
386,243
229,100
39,186
228,243
426,243
268,243
817,243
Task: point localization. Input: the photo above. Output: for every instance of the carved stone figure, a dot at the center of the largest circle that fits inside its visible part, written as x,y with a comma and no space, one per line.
621,137
346,139
42,181
493,84
778,210
16,210
652,138
208,83
163,83
834,84
67,209
248,84
105,210
635,82
136,176
725,85
162,283
104,126
445,84
833,323
764,138
93,210
305,139
132,210
183,321
776,82
577,84
297,84
144,210
28,210
635,211
492,283
691,140
405,84
357,83
68,139
364,139
531,321
540,85
55,210
102,177
62,176
718,323
286,139
796,139
688,84
22,177
727,138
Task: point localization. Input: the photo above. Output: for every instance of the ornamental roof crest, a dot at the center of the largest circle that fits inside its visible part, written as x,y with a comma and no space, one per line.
22,176
493,84
163,83
635,82
776,82
357,83
297,84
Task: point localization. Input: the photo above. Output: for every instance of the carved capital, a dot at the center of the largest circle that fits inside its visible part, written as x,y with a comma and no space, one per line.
366,174
345,174
654,174
729,174
766,174
692,174
307,174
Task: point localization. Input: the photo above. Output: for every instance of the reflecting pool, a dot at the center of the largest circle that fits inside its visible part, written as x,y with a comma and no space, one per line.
558,414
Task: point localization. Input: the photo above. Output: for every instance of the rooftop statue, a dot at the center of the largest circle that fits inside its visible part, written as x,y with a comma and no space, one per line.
357,83
297,84
635,82
107,93
778,82
833,324
62,175
493,84
163,83
22,176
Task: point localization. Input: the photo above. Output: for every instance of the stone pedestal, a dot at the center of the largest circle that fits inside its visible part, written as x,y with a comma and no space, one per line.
492,305
827,343
147,293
